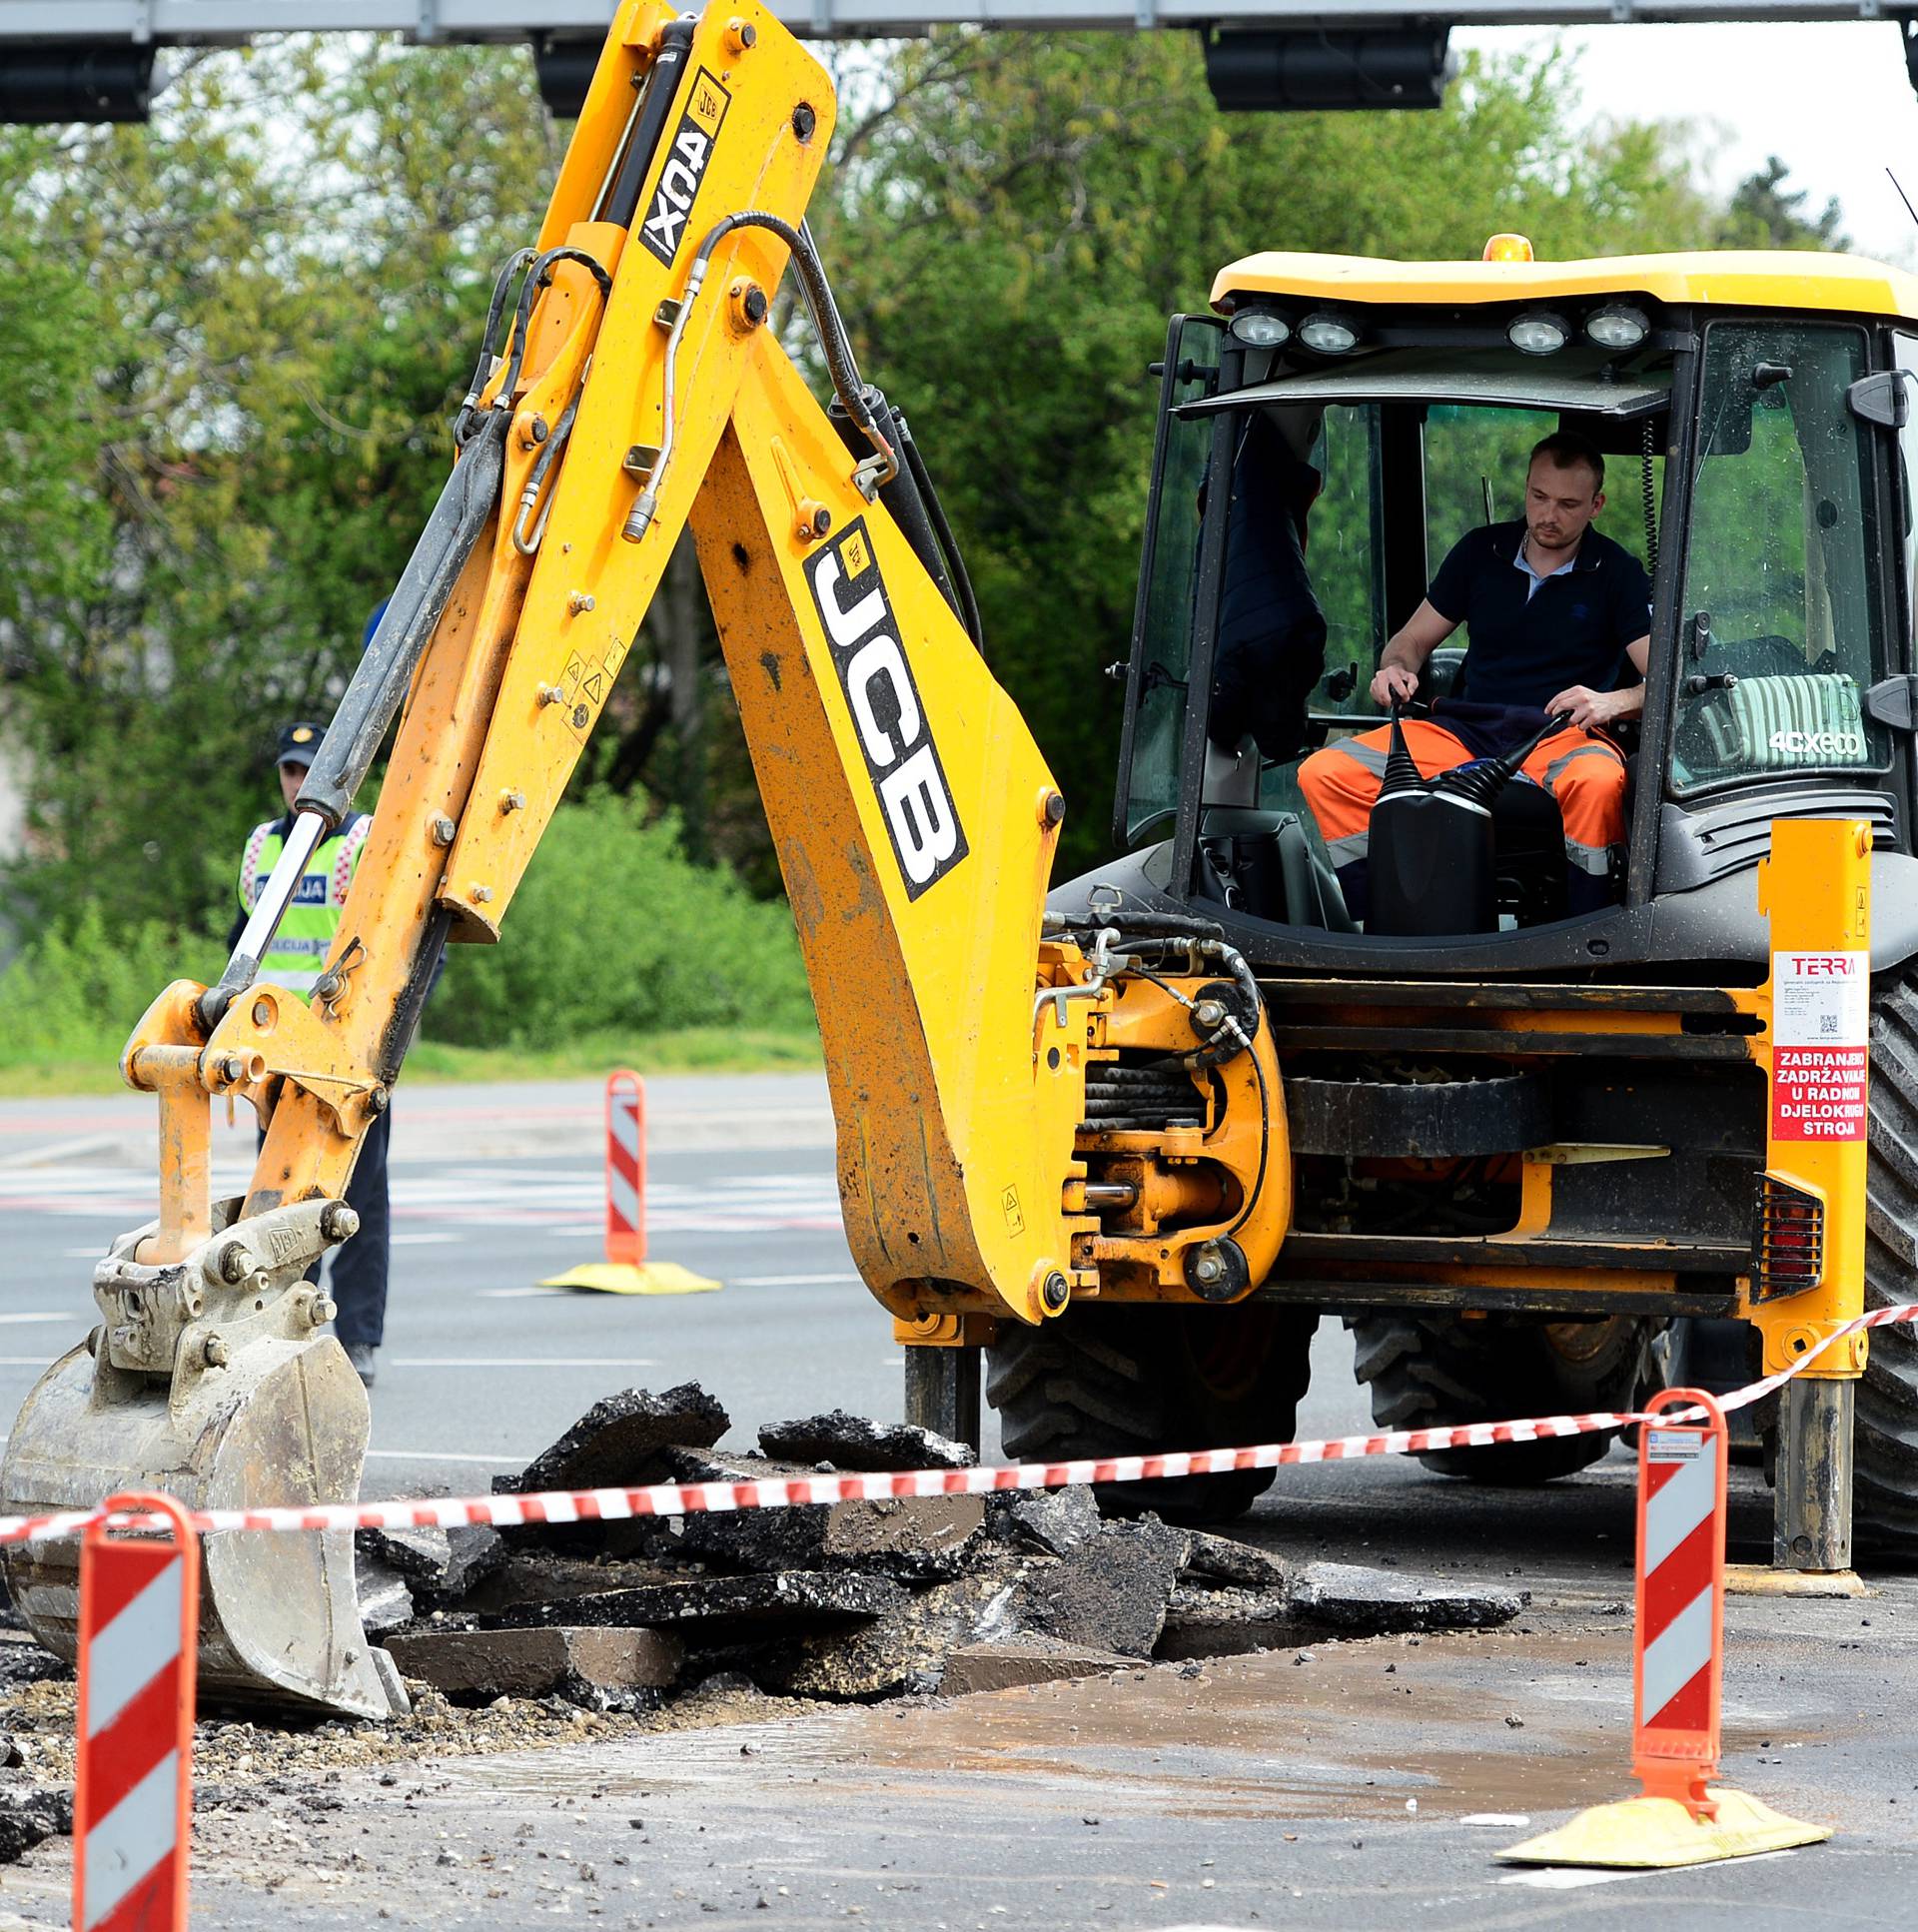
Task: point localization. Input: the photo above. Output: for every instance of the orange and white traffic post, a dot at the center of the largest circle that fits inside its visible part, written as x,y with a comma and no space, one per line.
1678,1638
625,1270
1677,1669
625,1168
133,1795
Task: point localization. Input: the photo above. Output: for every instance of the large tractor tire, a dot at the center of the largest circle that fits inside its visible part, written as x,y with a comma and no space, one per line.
1885,1441
1131,1381
1429,1371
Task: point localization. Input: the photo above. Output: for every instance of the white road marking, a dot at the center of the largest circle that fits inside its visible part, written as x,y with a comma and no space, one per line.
1564,1878
519,1361
515,1294
422,1239
65,1317
467,1202
439,1455
791,1280
1570,1878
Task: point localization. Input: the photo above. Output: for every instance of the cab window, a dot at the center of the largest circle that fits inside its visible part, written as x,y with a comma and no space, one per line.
1781,624
1162,645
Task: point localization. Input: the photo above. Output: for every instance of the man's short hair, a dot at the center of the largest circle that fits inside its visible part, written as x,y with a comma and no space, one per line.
1567,450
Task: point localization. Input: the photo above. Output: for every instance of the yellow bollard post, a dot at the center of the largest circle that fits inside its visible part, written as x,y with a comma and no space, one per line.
1809,1255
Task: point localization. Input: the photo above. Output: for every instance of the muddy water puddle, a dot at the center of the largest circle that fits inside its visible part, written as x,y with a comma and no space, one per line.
1448,1725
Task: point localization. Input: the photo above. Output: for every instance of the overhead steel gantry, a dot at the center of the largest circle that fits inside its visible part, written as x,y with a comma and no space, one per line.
66,60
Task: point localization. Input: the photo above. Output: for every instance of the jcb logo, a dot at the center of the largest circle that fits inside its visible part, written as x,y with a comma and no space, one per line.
901,758
685,168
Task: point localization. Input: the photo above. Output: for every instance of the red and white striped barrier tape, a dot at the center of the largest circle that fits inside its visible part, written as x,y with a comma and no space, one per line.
691,1499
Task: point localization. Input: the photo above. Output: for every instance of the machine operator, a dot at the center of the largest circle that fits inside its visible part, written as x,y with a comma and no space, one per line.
1559,618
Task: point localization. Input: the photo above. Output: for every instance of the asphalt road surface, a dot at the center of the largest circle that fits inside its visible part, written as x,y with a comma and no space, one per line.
1331,1789
482,1367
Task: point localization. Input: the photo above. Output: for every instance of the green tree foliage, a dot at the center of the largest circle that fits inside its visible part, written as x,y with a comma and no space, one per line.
1763,213
236,338
76,991
661,943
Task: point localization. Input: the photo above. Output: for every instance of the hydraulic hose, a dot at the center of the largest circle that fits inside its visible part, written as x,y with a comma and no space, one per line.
853,395
483,369
948,544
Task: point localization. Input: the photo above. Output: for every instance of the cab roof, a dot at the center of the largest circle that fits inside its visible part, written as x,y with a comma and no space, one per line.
1744,278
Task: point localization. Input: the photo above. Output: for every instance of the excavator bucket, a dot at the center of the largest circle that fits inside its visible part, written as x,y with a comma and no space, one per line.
256,1409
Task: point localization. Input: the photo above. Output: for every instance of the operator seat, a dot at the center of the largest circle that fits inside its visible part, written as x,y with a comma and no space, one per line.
1264,864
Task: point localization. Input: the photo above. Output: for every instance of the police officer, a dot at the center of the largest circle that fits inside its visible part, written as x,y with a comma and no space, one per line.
295,960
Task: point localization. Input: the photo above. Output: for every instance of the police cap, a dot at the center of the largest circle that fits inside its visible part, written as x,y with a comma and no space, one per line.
299,743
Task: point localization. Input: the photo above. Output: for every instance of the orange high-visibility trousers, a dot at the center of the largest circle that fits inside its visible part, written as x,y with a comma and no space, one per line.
1585,775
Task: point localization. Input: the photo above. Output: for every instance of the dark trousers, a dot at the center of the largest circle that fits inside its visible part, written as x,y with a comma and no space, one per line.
359,1279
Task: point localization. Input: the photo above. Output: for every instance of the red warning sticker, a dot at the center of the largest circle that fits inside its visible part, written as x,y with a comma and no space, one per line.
1820,1016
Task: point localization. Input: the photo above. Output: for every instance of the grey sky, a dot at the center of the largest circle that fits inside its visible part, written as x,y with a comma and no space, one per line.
1831,100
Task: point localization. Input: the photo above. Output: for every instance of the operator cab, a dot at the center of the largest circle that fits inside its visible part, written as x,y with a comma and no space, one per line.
1362,416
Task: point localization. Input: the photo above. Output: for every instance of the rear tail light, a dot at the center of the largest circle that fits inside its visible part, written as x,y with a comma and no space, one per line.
1788,1245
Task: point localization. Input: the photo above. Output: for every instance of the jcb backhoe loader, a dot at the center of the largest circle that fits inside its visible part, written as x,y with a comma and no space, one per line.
1130,1141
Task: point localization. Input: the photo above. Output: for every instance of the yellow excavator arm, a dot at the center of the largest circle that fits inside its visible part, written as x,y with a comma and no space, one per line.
630,384
641,387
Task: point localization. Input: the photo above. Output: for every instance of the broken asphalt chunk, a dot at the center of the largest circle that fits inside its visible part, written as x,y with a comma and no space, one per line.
855,1442
1055,1520
905,1649
479,1665
441,1565
420,1556
1111,1592
538,1576
975,1667
27,1663
1228,1622
915,1538
386,1603
30,1813
616,1444
1232,1562
718,1608
764,1541
1350,1597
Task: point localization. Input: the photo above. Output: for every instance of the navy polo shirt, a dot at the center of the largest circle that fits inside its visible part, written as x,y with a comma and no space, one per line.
1527,646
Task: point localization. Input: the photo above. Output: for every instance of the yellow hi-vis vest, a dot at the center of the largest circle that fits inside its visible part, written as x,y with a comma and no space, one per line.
299,949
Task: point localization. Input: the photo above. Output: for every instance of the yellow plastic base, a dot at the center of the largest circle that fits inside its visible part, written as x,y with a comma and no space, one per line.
1762,1579
1651,1834
622,1277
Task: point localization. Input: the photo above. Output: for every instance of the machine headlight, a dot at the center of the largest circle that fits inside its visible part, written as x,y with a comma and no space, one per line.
1260,328
1617,326
1328,334
1539,334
